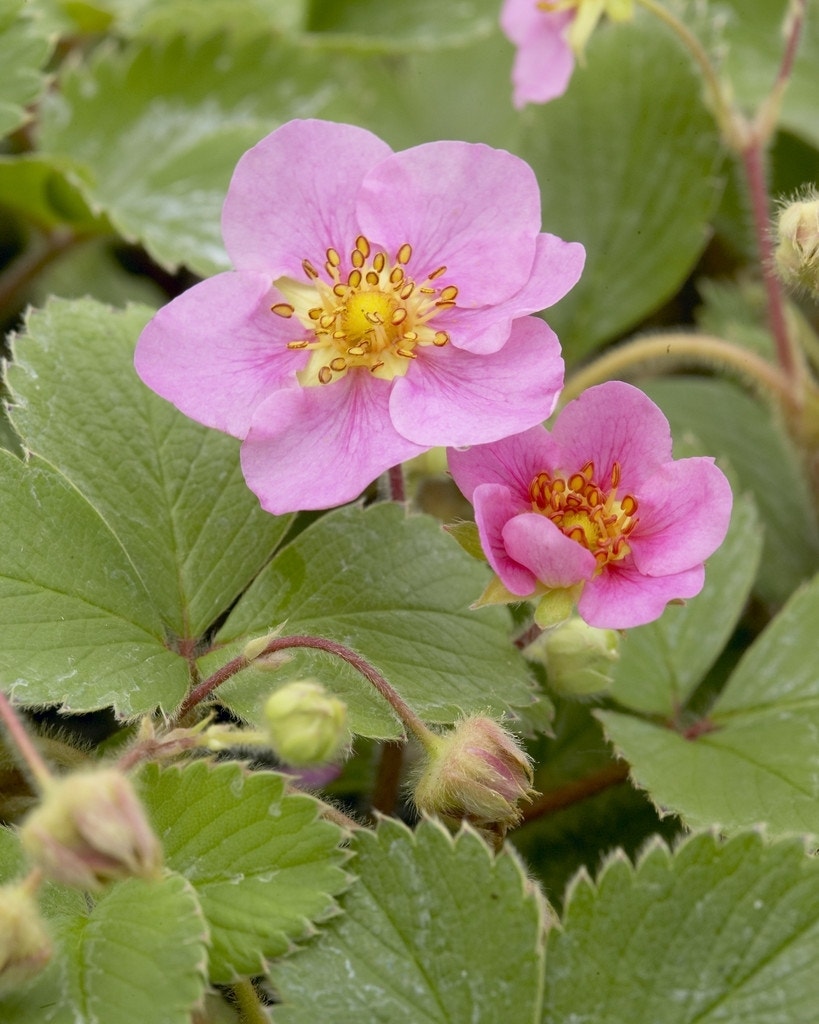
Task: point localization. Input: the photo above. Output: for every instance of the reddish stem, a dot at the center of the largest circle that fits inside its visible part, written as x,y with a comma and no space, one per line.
576,791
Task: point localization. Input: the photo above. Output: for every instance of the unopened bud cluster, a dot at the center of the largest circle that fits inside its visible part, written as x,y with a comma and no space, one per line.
90,829
797,252
478,773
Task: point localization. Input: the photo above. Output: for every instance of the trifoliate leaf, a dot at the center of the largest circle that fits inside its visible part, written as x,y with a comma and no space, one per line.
715,932
183,114
626,160
24,49
171,490
754,757
435,929
395,589
662,663
263,866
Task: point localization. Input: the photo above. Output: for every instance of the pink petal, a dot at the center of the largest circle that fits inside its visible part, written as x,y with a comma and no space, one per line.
217,351
620,598
513,462
450,397
468,207
556,560
292,196
614,422
317,447
495,507
544,60
556,270
684,511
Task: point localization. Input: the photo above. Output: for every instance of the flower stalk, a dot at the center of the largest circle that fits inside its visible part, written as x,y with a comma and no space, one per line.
22,741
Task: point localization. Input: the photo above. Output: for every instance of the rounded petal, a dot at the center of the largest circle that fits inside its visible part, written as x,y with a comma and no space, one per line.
465,206
614,422
621,597
544,60
495,507
556,270
455,398
217,351
684,511
513,462
317,447
557,561
292,196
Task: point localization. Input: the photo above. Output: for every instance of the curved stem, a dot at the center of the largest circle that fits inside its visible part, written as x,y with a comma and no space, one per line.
404,712
398,490
576,791
679,348
21,739
768,114
18,275
247,1001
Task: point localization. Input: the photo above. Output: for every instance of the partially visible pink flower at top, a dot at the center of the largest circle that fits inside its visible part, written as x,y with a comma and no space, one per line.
378,307
549,36
597,504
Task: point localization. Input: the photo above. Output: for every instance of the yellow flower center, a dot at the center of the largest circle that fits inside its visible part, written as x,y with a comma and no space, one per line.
587,14
373,318
586,512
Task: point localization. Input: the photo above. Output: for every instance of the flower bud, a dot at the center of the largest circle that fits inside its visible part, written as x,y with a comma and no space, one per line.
475,772
579,658
25,946
90,829
797,254
306,725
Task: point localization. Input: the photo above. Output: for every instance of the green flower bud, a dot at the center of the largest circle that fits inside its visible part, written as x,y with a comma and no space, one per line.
579,659
90,829
25,945
306,725
478,773
797,254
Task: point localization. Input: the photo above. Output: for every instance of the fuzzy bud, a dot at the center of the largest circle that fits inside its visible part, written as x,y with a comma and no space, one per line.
90,829
579,659
25,946
476,772
797,254
306,725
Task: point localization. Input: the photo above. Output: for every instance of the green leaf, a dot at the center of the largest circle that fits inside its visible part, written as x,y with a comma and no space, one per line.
396,589
170,489
436,929
35,188
626,160
263,866
755,758
77,626
24,49
729,424
182,114
713,932
662,663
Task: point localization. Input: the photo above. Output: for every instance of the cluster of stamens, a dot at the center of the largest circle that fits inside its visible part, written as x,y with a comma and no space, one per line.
586,512
374,316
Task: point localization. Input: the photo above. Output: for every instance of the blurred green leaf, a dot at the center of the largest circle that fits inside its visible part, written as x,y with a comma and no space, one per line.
754,758
263,865
24,48
627,163
33,187
436,930
396,589
713,932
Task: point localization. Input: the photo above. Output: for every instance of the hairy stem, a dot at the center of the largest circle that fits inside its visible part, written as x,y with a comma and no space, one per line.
247,1002
23,742
576,791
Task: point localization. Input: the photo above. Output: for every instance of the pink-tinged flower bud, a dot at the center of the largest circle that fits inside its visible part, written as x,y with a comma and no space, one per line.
91,829
478,773
797,254
25,945
306,725
579,659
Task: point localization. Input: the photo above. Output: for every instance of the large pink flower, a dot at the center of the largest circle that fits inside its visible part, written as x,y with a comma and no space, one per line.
378,308
549,35
597,504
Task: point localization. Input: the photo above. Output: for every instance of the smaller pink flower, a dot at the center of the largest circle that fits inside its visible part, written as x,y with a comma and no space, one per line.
597,504
549,36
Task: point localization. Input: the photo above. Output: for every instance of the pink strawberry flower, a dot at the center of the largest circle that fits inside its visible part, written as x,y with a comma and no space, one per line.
378,307
549,36
597,507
